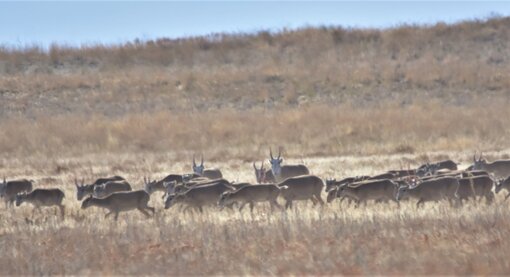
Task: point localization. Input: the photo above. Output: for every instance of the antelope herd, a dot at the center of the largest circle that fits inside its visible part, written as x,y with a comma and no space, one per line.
430,182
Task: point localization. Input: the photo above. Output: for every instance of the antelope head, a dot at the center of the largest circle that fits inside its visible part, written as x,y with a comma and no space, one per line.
480,162
80,188
276,164
260,173
198,169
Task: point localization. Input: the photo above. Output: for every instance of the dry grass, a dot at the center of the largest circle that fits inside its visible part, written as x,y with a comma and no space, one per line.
310,130
335,239
345,102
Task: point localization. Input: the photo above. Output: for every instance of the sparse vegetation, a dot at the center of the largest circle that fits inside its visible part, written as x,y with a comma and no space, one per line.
345,102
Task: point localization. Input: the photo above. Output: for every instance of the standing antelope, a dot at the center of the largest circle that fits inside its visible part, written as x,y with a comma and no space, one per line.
211,173
262,175
83,190
499,168
9,190
283,172
251,194
305,187
42,198
121,202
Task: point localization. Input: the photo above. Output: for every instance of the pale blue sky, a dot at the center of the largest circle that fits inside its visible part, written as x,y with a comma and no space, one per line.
75,23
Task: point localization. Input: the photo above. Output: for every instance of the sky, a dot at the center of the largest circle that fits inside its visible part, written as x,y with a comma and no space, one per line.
84,23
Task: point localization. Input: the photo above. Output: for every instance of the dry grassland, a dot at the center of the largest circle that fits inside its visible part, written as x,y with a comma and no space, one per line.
334,239
345,102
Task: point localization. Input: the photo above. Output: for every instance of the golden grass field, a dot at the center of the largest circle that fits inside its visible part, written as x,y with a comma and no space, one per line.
344,102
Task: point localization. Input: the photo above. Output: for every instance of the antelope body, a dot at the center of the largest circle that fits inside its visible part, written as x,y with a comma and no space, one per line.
378,190
43,198
251,194
430,190
306,187
472,187
121,202
9,190
199,196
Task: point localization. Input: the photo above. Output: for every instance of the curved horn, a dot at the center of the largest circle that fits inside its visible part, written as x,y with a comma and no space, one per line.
271,153
201,160
194,163
474,157
254,166
262,165
481,156
279,152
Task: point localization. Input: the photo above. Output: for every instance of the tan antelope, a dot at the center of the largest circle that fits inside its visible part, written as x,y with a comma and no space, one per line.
281,173
9,190
211,173
83,190
262,175
305,187
199,196
251,194
42,198
378,190
477,186
430,190
121,202
103,190
503,184
499,168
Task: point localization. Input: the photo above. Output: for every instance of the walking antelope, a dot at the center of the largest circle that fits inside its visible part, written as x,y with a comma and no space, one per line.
103,190
499,168
262,175
9,190
83,190
199,196
305,187
281,173
429,190
251,194
42,198
121,202
211,173
378,190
